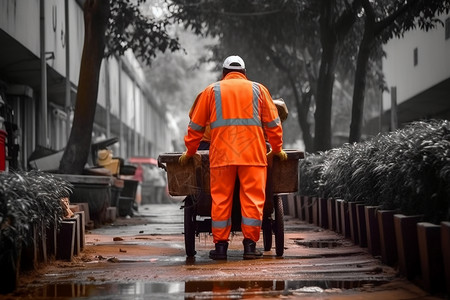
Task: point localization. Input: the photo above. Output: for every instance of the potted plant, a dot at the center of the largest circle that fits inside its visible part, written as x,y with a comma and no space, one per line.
406,170
28,200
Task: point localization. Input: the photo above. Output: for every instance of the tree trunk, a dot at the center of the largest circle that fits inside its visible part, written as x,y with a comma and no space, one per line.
332,34
360,87
372,29
324,97
325,80
96,13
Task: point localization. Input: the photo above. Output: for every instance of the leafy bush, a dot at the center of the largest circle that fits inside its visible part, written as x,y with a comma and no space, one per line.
407,170
27,198
310,173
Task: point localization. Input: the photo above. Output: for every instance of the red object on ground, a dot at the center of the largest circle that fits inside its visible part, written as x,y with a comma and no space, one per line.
3,135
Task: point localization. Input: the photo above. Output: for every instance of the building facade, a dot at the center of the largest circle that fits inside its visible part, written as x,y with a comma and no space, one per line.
417,74
40,53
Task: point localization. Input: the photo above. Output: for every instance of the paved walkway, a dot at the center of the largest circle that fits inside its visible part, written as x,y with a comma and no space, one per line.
144,257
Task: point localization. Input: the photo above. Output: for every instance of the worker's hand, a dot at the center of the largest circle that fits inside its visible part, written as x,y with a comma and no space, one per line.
184,158
281,155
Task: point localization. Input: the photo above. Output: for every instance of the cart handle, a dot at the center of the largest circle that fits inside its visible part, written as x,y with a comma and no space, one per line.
161,165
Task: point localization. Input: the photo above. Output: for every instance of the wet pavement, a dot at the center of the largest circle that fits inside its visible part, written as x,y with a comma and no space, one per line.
143,257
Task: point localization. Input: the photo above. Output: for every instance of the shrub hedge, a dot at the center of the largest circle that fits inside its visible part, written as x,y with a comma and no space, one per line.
27,198
406,170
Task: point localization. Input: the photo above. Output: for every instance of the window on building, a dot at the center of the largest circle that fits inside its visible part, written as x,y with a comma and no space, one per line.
447,28
416,56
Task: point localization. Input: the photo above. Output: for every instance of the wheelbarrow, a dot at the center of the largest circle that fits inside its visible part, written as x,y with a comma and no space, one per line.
192,181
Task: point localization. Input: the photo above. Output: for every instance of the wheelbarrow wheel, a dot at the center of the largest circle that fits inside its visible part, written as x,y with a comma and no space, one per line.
267,233
279,226
189,228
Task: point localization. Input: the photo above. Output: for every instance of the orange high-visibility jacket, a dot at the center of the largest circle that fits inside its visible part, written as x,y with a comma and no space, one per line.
207,133
239,111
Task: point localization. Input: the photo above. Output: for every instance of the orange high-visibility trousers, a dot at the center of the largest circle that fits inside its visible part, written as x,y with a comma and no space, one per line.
252,196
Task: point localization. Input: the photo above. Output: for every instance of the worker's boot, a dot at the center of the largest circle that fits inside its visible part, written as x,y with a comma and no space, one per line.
250,251
220,252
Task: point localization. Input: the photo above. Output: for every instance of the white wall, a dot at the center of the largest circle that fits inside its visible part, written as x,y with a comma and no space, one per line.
76,36
15,15
55,30
127,100
433,63
21,20
114,86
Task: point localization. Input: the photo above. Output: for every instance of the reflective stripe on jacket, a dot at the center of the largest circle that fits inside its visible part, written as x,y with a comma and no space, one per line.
238,110
207,133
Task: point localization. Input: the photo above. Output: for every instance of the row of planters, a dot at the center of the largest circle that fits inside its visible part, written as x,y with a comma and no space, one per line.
31,212
390,194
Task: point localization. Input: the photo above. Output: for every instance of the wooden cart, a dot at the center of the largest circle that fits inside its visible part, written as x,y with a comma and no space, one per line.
192,181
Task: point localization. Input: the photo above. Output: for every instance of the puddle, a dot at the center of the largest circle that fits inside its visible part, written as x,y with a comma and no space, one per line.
192,289
320,243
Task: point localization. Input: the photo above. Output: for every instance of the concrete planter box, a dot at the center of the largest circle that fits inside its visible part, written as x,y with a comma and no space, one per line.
372,229
70,237
300,208
77,238
431,260
309,209
292,206
420,250
353,219
345,219
66,240
407,245
339,203
445,240
315,211
323,212
387,237
361,220
331,212
84,207
82,228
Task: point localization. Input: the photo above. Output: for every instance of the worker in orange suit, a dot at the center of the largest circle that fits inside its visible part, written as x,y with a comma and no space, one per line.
240,114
